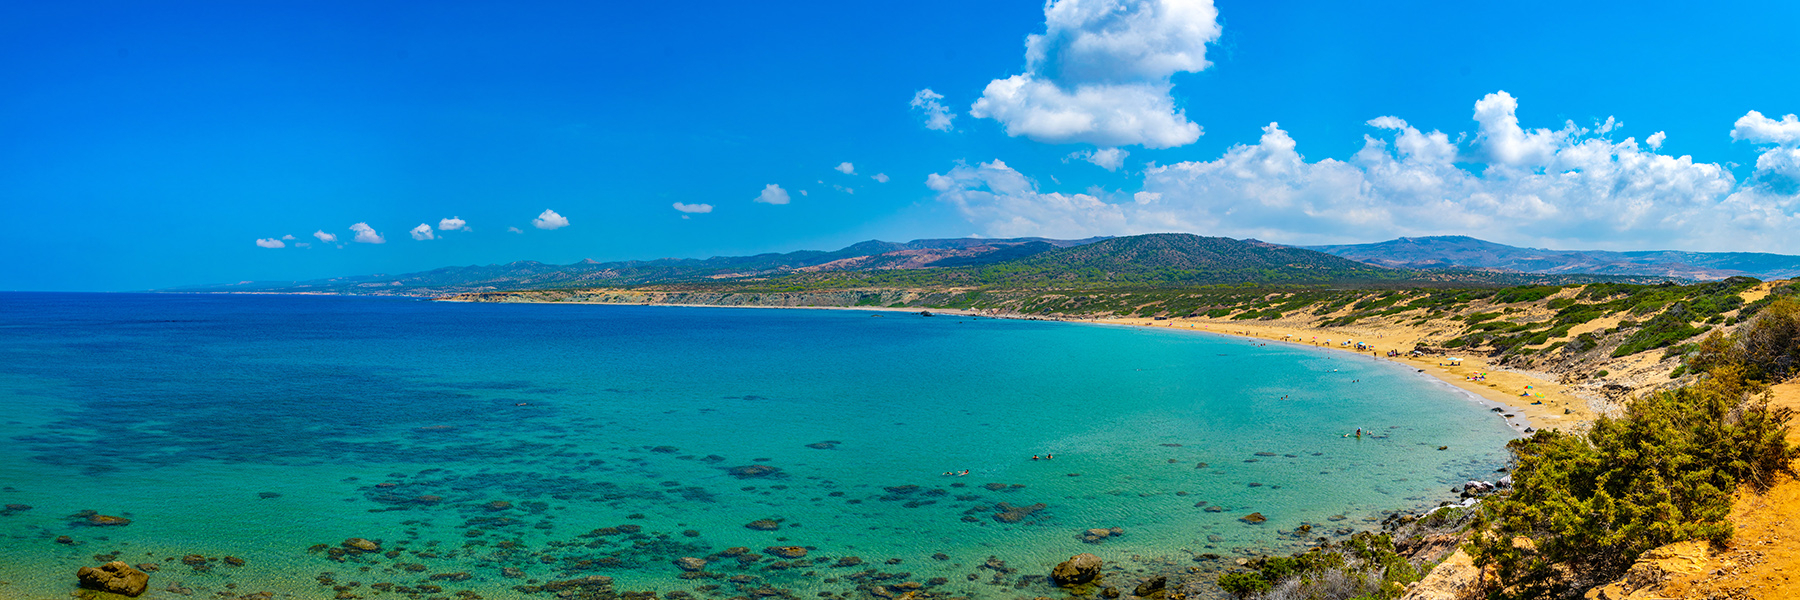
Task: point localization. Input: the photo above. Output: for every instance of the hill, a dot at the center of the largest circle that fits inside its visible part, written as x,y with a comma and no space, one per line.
1450,252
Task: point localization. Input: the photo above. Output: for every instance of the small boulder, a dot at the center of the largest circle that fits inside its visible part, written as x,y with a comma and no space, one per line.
1079,569
690,564
1156,587
1253,518
114,577
763,525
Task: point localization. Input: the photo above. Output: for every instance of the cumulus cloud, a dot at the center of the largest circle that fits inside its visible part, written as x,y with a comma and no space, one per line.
514,230
366,234
880,177
1005,203
549,220
937,116
844,189
1569,187
846,168
329,238
1754,127
693,208
1655,140
422,232
287,237
1106,158
773,194
453,224
270,243
1100,73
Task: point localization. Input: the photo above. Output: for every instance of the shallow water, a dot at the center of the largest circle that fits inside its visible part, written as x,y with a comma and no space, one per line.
260,426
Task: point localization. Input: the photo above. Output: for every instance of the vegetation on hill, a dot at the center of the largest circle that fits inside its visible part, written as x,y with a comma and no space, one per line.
1590,503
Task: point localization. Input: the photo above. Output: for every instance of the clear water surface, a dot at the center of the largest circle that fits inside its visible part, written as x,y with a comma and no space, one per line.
260,427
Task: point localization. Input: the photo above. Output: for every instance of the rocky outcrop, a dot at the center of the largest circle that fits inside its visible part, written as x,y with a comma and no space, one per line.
1079,569
690,564
1456,578
114,577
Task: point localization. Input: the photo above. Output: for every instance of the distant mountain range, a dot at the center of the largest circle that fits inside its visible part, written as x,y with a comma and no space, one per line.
1453,252
1154,260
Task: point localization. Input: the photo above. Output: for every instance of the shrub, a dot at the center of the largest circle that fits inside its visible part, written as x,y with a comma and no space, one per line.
1243,584
1664,472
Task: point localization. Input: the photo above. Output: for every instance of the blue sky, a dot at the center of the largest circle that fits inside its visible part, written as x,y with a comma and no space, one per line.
157,145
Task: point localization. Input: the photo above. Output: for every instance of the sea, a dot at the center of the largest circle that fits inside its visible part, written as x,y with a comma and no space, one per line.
495,450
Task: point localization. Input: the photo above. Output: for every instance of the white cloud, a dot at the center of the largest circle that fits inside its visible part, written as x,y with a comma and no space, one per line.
1005,203
844,189
693,208
1106,158
879,177
329,238
302,245
846,168
803,192
288,237
549,220
1756,128
366,234
1100,73
937,116
773,194
1569,188
270,243
453,224
1655,140
422,232
514,230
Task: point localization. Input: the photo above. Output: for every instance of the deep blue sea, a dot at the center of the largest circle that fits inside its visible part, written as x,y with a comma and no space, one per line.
493,446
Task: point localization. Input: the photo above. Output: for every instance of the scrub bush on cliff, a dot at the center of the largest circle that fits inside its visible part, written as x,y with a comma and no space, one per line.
1589,504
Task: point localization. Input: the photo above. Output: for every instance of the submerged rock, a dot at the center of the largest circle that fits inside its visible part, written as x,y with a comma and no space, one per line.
749,471
763,525
690,564
114,577
98,520
1156,587
1079,569
361,544
785,551
1013,514
1096,535
1254,517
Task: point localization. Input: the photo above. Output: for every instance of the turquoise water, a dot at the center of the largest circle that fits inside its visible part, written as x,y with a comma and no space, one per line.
259,426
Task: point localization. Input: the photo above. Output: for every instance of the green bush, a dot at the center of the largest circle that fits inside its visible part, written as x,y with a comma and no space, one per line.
1243,585
1664,472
